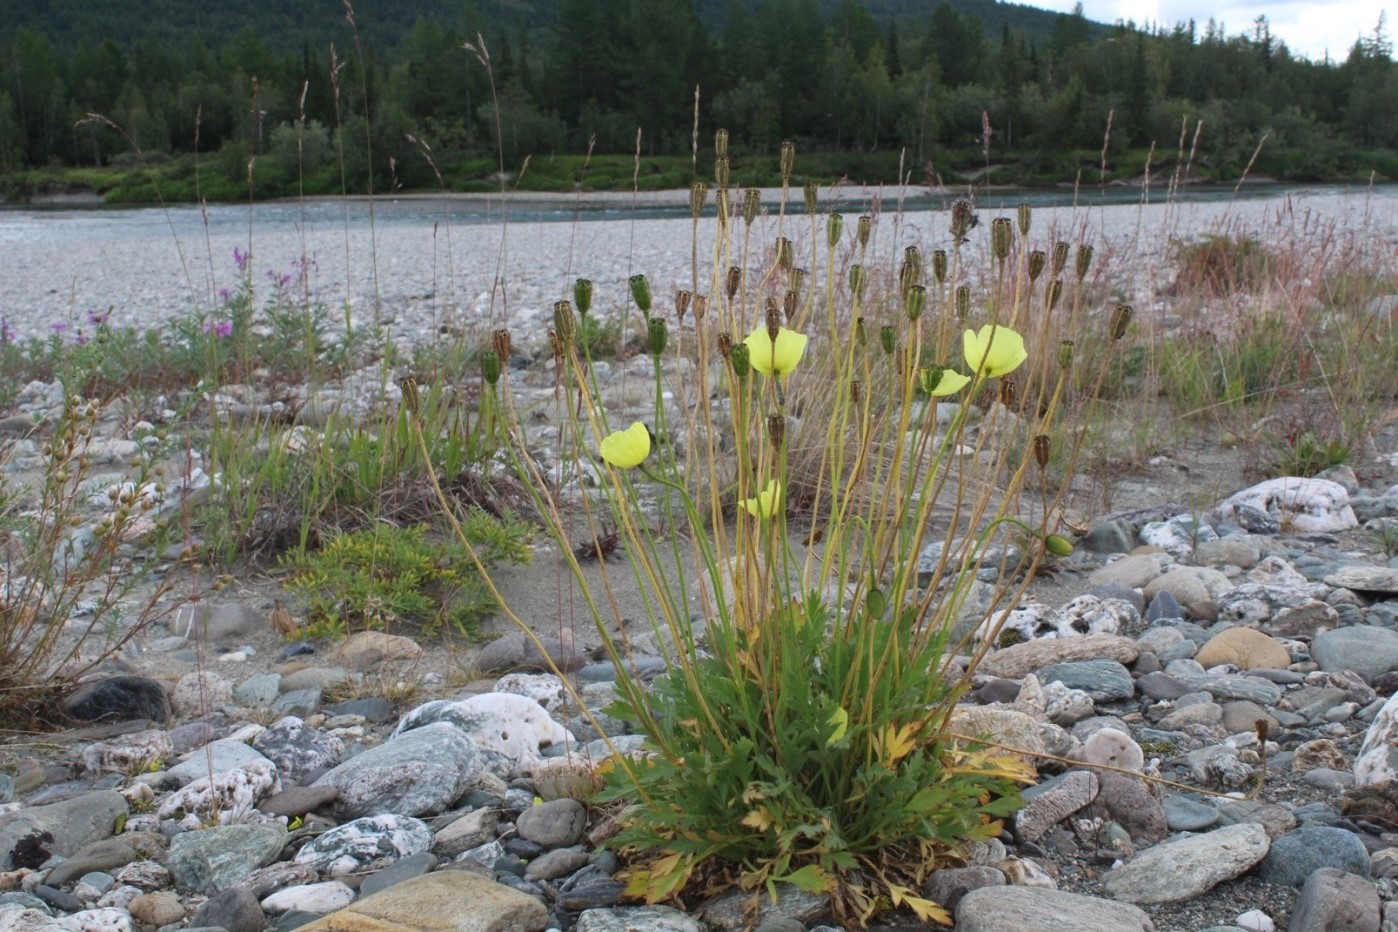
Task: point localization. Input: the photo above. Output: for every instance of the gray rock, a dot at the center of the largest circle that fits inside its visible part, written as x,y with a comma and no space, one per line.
374,708
218,622
514,651
559,862
98,856
732,911
119,698
1334,901
1129,802
30,836
365,844
218,858
1103,680
299,702
1015,661
1296,854
1363,649
1133,572
414,865
1183,814
637,919
1163,607
259,691
1186,867
556,823
949,885
420,772
298,750
1292,505
1110,536
299,800
1048,804
214,758
1037,909
1360,577
235,910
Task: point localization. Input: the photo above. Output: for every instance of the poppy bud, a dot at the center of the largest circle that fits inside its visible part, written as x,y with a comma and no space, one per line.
1065,354
963,302
682,299
1022,214
915,301
1053,293
929,377
774,320
721,142
788,161
776,429
735,278
1041,450
939,266
809,189
408,385
640,291
1058,545
888,339
738,359
1084,260
785,253
725,344
863,229
1060,257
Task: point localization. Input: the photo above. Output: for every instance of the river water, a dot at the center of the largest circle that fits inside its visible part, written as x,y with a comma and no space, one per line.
419,262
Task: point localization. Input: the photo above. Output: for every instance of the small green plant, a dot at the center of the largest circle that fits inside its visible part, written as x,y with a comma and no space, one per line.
1305,453
385,576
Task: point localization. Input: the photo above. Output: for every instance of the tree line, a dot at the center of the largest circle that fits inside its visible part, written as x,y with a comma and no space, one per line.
938,88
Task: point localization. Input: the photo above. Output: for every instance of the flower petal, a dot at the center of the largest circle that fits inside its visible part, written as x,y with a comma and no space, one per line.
626,448
949,384
994,351
767,503
775,357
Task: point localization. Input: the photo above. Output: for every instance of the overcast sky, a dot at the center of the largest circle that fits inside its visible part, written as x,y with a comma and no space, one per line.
1309,28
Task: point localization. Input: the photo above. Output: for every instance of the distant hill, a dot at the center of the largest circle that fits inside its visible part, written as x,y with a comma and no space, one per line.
290,24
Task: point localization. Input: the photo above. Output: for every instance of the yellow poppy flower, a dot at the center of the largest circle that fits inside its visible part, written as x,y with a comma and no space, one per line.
775,357
767,502
939,382
626,448
995,351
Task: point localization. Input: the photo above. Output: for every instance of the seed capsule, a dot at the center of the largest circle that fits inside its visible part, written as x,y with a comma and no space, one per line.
810,189
410,395
1065,354
721,168
774,319
863,229
725,344
501,343
854,389
788,161
929,377
1060,257
564,324
1041,450
1054,292
888,339
1121,319
939,266
1023,216
785,253
963,302
657,334
701,305
735,278
582,295
776,429
910,273
857,278
915,301
861,332
640,291
790,303
834,229
1058,545
698,196
1009,393
490,366
1084,260
721,141
1001,237
682,300
752,201
1037,261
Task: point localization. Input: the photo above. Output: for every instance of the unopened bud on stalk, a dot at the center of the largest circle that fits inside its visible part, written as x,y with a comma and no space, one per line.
490,366
1037,261
785,253
810,189
1060,257
682,299
738,359
564,325
720,141
1084,260
939,266
1001,237
752,200
790,302
408,385
788,161
721,168
861,332
776,429
1065,354
963,302
862,231
701,305
640,290
555,345
1023,215
698,195
501,343
1121,319
857,278
796,280
1009,393
888,339
914,301
1041,450
854,389
725,344
735,278
1058,545
774,320
656,335
582,295
834,229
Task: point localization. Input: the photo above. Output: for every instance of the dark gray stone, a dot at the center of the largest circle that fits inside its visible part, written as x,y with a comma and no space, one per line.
1163,607
299,800
556,823
1295,855
374,708
100,855
30,836
235,910
1334,901
1036,909
1183,814
420,772
1363,648
414,865
119,698
1103,680
514,651
217,859
949,885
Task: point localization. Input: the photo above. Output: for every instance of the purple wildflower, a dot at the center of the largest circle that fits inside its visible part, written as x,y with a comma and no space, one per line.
225,295
80,338
7,333
279,280
241,259
59,326
219,328
304,267
98,318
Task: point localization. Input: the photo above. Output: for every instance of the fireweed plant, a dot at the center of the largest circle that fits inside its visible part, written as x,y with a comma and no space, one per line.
804,446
